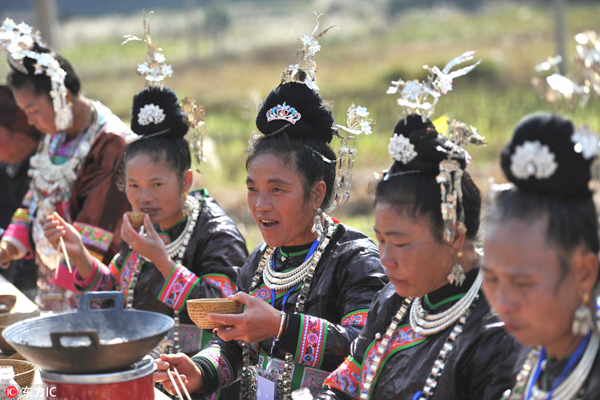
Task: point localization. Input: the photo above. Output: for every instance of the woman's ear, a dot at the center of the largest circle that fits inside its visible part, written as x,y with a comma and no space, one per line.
460,236
586,265
188,180
318,192
69,98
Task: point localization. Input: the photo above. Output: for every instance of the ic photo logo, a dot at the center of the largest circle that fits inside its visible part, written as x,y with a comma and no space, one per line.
11,392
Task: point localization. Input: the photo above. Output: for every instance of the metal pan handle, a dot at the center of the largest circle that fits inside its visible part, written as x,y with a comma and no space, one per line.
117,297
56,336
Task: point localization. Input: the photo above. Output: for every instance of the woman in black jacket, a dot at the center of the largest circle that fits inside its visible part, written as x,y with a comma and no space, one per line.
306,290
429,333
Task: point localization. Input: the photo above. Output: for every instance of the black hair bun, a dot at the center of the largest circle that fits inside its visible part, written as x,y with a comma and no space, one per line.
426,141
150,120
560,171
316,121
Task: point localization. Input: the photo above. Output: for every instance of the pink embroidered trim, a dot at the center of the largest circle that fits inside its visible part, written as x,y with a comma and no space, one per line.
127,270
178,287
345,378
94,236
403,338
220,363
99,279
220,282
356,318
311,342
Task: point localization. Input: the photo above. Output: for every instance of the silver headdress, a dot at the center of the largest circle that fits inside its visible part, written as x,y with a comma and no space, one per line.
358,122
18,41
577,85
155,70
451,172
194,117
305,70
422,97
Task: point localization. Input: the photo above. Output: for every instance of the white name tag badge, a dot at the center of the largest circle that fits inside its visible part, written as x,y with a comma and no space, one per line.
265,389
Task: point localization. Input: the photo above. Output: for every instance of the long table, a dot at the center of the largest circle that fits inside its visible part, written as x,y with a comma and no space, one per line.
23,304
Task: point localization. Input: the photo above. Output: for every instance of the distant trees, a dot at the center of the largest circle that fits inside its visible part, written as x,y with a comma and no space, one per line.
396,6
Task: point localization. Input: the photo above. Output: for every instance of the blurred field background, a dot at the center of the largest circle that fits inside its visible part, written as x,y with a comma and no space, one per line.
229,54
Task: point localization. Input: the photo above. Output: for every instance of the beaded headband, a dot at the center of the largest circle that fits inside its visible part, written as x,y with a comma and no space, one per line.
421,98
155,70
18,42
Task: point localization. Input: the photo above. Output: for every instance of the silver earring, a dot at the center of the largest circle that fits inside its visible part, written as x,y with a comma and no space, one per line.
457,275
582,320
317,225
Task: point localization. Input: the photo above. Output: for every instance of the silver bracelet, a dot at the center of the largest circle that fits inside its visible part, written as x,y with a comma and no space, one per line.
281,324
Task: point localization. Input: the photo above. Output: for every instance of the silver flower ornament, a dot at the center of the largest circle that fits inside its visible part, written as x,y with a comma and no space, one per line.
533,159
151,114
401,149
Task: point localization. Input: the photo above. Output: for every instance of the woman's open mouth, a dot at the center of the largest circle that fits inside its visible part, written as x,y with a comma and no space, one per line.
267,223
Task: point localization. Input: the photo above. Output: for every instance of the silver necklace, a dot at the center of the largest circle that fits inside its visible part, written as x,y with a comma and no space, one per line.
426,327
247,387
175,250
571,386
427,324
53,183
284,280
440,362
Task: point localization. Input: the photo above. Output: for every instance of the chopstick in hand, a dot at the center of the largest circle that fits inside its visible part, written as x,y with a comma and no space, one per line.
187,394
174,382
56,268
64,250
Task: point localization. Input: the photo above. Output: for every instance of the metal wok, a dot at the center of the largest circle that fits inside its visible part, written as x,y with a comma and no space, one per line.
87,340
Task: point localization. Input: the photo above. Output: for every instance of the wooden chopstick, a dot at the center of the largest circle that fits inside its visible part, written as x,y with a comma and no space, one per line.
187,394
64,250
174,383
56,268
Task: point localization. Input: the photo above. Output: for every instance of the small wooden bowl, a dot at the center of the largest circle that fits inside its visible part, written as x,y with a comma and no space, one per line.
136,219
7,302
198,308
24,371
9,319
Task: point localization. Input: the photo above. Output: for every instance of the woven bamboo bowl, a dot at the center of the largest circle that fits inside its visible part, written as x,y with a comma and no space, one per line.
198,308
7,302
24,371
136,219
